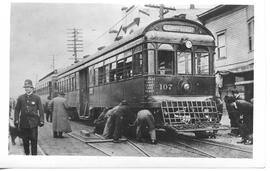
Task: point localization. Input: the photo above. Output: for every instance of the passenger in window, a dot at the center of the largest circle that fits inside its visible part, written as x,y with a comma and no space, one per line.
162,68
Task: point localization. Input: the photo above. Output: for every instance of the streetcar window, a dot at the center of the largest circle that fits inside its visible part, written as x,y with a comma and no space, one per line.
120,69
113,72
101,75
183,62
165,62
150,46
96,76
128,67
91,76
151,58
202,63
166,47
138,64
107,73
77,84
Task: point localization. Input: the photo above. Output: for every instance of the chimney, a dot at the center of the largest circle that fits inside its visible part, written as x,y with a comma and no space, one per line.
192,6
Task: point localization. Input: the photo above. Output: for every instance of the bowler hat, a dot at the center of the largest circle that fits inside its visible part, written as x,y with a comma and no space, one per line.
28,83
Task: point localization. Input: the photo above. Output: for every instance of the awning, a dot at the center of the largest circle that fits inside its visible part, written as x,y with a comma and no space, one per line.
179,37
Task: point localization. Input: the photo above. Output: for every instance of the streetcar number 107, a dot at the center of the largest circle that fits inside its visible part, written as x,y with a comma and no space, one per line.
165,86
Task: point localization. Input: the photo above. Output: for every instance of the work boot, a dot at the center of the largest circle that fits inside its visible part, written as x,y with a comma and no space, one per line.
242,141
153,141
55,135
60,135
248,142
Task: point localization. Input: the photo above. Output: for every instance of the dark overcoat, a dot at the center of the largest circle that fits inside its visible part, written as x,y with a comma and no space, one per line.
29,111
60,116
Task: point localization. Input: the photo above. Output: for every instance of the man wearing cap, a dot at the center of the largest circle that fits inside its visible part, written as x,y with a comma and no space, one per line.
145,123
115,122
60,122
28,116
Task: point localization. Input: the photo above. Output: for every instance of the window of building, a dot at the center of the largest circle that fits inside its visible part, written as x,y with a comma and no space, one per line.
221,43
251,34
184,63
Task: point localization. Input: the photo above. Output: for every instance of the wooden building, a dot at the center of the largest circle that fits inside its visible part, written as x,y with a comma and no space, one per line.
233,28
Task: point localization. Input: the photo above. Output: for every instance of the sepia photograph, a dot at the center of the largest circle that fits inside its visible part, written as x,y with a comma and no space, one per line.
142,81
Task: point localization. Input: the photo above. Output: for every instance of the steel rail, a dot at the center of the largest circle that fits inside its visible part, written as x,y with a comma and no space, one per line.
80,139
91,145
176,146
138,148
196,149
221,145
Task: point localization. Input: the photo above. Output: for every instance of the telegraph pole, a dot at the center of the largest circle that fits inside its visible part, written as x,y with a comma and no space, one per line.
162,9
76,43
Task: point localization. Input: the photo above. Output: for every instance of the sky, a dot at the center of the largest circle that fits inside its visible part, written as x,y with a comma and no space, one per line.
39,31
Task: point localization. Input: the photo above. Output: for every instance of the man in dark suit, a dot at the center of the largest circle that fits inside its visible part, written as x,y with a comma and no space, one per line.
246,129
28,116
234,115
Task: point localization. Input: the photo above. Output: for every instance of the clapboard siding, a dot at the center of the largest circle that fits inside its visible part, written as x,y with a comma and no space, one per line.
236,30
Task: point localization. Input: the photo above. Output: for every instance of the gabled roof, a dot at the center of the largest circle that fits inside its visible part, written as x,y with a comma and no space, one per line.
220,9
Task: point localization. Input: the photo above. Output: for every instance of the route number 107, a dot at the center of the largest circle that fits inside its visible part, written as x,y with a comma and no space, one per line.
165,86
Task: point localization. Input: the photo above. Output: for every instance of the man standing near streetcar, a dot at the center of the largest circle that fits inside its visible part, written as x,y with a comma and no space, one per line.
28,116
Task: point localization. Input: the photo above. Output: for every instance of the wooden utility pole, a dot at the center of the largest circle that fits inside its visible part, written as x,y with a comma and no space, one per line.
162,9
76,43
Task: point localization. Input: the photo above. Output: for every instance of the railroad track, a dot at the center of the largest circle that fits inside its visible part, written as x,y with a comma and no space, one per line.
131,143
214,149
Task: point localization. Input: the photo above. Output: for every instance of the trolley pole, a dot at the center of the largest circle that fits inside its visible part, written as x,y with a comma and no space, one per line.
162,9
76,43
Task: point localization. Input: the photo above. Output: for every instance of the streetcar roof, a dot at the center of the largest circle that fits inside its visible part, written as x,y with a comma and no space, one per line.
135,35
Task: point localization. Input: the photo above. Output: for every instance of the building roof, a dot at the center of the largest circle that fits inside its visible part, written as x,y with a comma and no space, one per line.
220,9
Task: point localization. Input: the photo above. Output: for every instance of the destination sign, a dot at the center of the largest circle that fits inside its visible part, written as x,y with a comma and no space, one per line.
179,28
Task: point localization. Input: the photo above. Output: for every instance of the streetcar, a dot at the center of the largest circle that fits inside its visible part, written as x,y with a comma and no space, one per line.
167,66
46,86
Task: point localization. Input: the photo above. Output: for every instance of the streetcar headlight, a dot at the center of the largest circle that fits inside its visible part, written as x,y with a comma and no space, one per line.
186,86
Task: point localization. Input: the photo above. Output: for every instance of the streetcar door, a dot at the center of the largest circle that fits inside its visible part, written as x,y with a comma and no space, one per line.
84,93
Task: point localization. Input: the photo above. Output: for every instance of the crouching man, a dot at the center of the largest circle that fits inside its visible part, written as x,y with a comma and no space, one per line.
145,123
115,123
